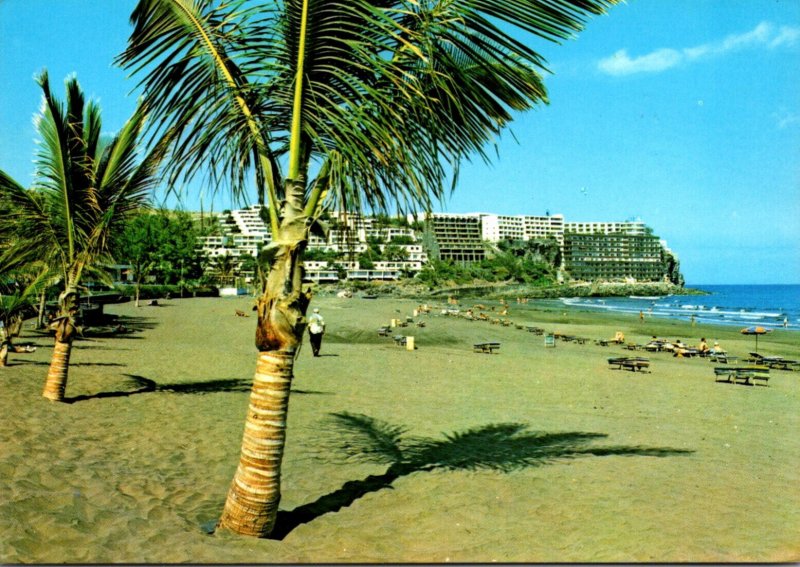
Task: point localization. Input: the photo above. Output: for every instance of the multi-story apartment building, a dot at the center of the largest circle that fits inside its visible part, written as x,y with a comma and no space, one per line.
250,223
457,237
636,227
536,227
495,228
243,232
613,256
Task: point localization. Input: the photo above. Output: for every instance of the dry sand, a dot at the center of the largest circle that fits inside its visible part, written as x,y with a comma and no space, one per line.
622,467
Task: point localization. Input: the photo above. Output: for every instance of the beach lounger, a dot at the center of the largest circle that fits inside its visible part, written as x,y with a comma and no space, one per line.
776,362
632,363
745,375
723,358
487,348
780,363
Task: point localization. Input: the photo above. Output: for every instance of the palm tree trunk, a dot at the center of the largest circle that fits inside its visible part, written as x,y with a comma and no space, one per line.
251,507
56,382
252,504
42,308
4,348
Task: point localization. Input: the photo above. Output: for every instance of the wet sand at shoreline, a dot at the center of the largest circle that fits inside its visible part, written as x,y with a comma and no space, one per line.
666,466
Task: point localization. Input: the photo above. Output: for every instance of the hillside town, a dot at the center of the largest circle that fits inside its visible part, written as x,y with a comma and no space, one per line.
383,248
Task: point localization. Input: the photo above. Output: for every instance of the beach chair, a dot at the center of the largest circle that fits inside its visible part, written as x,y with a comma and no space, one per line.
632,363
488,348
745,375
780,363
724,374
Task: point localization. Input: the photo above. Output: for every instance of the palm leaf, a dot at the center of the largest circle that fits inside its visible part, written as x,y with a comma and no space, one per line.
385,97
207,109
85,187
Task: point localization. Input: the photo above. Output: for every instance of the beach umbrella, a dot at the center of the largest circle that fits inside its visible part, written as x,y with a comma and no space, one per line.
755,331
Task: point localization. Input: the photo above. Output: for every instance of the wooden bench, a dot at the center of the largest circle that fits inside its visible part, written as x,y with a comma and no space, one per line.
399,340
488,348
783,364
535,330
723,358
778,363
742,375
630,363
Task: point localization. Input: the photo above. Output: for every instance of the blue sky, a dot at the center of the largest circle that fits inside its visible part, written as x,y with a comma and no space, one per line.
684,113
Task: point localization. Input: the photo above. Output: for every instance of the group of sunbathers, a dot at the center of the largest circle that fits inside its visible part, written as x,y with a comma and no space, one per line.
678,348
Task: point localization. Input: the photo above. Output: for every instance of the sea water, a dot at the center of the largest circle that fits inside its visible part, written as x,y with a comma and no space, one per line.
767,306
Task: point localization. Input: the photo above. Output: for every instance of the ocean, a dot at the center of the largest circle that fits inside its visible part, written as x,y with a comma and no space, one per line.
737,305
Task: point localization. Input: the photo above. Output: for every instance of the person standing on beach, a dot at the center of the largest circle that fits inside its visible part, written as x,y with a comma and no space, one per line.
316,328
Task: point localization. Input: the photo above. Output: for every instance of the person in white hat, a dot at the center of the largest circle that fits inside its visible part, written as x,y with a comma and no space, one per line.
316,328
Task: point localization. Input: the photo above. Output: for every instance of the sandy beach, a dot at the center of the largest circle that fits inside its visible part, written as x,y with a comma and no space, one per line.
549,454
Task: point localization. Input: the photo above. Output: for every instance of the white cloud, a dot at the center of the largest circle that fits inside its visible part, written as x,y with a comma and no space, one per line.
785,119
786,36
764,35
621,63
760,35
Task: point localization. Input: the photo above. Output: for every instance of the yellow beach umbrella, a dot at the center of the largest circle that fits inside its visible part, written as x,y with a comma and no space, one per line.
755,331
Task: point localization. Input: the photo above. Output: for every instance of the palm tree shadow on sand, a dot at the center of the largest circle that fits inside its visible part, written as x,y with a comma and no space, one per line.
502,447
142,385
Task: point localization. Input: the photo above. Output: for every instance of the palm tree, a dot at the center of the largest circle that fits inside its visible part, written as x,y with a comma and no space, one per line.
224,267
85,188
18,293
365,103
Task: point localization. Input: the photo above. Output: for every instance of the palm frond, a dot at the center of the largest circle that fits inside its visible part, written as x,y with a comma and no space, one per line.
85,187
205,105
384,97
27,228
